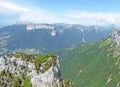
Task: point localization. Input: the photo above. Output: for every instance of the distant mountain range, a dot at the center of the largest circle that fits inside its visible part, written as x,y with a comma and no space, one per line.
42,38
95,64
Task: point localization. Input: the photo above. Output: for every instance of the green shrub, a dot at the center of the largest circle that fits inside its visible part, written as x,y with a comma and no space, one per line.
44,59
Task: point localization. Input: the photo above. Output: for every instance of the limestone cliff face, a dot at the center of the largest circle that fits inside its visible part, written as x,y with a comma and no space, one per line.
50,78
39,26
46,75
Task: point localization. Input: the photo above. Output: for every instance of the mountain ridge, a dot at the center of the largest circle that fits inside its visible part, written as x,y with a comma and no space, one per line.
95,64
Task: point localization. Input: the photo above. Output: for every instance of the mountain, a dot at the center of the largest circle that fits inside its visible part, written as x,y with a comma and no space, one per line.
93,65
30,70
42,38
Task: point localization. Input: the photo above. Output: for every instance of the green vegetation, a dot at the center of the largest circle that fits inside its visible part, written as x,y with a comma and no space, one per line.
24,56
8,79
27,83
48,60
38,60
67,83
92,65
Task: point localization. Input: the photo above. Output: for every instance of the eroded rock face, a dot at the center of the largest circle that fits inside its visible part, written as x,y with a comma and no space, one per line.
50,78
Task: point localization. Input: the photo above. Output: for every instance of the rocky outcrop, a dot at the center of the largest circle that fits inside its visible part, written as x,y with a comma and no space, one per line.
17,65
116,36
116,41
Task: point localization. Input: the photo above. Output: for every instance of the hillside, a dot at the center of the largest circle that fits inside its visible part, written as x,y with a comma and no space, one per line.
31,70
42,38
93,65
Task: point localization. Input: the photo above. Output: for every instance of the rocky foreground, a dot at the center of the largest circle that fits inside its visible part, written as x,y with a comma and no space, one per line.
29,70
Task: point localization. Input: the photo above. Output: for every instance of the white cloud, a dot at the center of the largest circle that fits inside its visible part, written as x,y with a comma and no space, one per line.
95,17
38,15
7,7
79,17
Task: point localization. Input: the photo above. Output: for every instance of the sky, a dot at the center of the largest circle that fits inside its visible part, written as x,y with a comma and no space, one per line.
87,12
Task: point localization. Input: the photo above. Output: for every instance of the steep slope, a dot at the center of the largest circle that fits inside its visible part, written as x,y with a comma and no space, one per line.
42,38
30,70
95,64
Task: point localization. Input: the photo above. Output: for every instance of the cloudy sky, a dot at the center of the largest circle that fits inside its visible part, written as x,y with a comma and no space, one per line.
60,11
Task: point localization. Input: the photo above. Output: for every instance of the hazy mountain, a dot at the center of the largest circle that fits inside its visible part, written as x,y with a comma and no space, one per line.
41,38
94,64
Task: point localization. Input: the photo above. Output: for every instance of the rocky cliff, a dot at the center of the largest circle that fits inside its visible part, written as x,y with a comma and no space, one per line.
116,36
39,26
29,70
116,41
